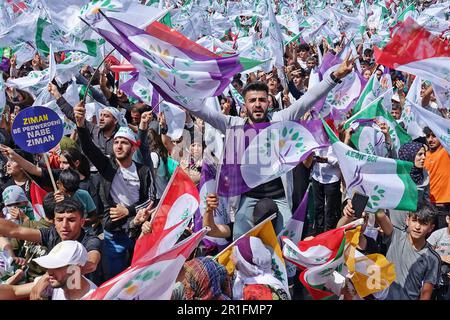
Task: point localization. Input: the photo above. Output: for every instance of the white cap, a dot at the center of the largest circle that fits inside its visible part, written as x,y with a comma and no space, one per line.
65,253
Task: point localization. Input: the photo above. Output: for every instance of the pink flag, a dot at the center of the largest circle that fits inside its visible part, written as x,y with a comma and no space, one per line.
415,50
175,210
37,199
149,278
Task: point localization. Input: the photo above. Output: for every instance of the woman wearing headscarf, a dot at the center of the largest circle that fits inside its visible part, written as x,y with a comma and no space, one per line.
254,277
202,279
413,152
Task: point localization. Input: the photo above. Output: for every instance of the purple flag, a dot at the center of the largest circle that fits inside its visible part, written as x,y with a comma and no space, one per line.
141,89
178,68
256,154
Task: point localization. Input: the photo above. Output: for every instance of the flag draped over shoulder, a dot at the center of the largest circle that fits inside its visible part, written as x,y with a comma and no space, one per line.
437,124
177,67
258,153
386,181
149,277
415,50
174,212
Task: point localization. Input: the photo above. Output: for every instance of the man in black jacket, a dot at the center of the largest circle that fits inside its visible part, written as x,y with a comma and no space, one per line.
124,185
103,132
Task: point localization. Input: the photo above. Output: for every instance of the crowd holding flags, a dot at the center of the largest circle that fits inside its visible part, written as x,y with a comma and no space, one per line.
179,57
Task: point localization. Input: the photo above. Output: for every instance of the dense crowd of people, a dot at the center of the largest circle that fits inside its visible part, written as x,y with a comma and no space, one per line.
112,169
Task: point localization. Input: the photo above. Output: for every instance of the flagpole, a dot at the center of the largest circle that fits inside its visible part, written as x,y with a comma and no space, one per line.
50,172
252,229
97,69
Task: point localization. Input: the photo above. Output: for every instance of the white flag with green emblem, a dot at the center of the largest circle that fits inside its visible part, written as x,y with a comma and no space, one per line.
376,111
407,117
437,124
387,182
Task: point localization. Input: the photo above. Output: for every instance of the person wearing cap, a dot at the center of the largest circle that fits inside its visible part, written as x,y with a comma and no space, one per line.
102,133
124,185
255,96
64,277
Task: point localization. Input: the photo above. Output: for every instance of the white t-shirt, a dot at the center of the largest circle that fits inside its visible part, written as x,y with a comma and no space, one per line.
58,293
125,186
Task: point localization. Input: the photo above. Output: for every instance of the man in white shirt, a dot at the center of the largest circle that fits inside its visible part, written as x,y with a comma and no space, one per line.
125,184
63,264
326,183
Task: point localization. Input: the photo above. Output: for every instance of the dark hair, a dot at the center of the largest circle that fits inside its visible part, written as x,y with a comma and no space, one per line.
69,205
156,145
368,52
255,86
396,106
275,104
49,204
72,155
27,156
426,214
70,179
303,47
427,131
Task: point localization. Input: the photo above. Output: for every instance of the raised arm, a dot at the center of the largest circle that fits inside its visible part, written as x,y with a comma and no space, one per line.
217,230
384,222
304,104
10,229
23,163
95,155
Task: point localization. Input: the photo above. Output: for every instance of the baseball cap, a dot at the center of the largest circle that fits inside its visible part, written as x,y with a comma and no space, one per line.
13,194
65,253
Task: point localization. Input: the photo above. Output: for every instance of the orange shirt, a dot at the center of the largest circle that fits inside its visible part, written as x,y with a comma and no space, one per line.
438,165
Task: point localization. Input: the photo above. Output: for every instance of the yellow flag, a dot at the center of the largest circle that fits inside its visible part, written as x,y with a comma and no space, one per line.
369,274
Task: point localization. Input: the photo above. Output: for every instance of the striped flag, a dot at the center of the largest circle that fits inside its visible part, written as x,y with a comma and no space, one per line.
174,212
141,89
415,50
37,195
266,233
294,229
318,258
150,277
387,182
177,67
369,274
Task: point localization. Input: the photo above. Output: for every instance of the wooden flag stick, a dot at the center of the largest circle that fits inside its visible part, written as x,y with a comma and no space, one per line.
50,172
